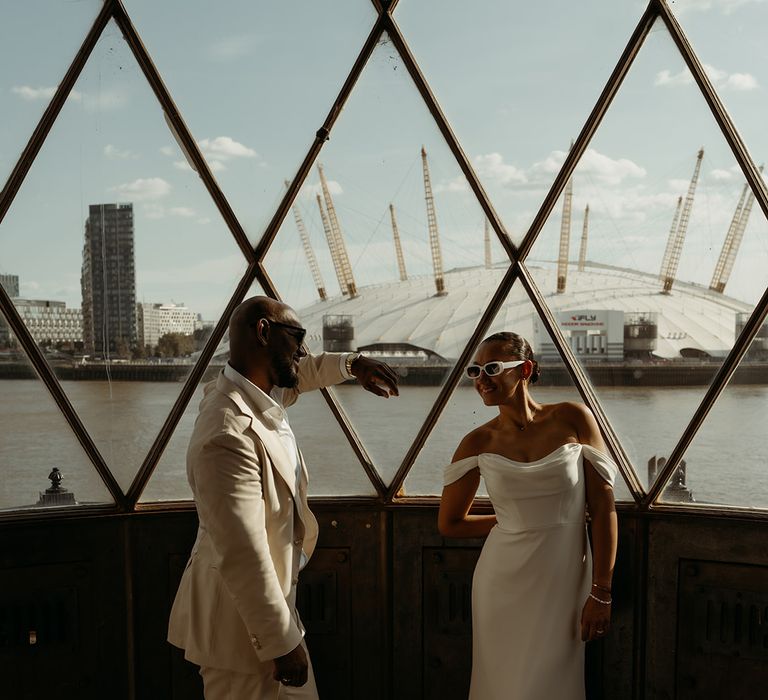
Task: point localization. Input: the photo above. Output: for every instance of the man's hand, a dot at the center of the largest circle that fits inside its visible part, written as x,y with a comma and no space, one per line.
292,668
375,376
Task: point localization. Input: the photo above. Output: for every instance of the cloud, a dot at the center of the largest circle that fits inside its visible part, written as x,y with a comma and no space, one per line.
598,166
720,174
491,166
184,212
115,153
224,148
42,93
105,100
311,190
722,79
232,47
143,189
214,165
217,152
726,7
458,184
153,211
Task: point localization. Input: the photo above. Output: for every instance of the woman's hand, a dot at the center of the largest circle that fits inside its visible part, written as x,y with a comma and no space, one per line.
595,617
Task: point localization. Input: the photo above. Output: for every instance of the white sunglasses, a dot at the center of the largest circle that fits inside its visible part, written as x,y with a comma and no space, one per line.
491,369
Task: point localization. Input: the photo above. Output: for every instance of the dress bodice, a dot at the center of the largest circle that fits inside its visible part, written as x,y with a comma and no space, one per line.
533,495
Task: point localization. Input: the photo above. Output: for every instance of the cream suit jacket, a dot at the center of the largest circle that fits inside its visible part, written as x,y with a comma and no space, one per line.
235,606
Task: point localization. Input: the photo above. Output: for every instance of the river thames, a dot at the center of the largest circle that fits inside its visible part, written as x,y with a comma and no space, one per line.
726,462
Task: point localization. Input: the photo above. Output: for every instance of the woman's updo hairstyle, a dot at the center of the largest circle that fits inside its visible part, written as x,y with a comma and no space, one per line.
516,347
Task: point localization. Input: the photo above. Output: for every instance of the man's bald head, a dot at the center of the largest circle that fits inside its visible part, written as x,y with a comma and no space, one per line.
247,314
260,347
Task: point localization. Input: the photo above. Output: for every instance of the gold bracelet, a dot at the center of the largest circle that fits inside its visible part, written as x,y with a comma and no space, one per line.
602,602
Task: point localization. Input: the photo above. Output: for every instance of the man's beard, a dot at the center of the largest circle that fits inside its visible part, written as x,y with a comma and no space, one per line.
286,374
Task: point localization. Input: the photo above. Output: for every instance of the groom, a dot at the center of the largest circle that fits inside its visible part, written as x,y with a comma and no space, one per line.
235,610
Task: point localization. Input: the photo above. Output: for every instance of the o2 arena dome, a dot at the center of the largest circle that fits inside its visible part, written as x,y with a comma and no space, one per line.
606,306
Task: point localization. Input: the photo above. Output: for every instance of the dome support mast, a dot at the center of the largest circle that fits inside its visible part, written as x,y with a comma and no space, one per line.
676,239
311,259
434,237
341,250
398,247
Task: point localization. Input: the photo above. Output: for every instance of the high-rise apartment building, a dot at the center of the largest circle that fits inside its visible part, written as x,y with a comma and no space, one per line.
108,280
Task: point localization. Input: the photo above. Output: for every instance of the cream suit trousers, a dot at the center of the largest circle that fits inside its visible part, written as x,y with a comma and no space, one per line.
221,684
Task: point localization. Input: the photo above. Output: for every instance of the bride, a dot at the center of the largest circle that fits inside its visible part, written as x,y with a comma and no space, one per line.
538,593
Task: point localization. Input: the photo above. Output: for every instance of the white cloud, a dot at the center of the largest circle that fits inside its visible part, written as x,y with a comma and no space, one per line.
184,212
458,184
203,220
720,174
608,170
143,189
720,78
42,93
310,191
492,167
603,169
115,153
167,151
214,165
727,7
224,148
741,81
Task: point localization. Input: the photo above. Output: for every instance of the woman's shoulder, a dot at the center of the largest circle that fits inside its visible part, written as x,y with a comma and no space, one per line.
569,411
473,443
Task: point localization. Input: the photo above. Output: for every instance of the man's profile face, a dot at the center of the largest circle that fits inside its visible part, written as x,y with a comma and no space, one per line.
286,336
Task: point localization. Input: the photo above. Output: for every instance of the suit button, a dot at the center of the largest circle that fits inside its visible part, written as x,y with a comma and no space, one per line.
298,542
255,641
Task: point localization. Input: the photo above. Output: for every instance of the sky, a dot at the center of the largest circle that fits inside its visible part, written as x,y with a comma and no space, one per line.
515,80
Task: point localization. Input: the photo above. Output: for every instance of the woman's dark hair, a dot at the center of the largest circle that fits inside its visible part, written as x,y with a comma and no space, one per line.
518,347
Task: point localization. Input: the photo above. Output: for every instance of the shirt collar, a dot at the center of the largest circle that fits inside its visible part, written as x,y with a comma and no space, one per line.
267,404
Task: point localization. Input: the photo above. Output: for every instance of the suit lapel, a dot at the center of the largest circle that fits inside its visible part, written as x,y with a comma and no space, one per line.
269,438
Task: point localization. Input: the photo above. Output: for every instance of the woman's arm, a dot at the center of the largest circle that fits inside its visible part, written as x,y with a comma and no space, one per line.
453,519
602,512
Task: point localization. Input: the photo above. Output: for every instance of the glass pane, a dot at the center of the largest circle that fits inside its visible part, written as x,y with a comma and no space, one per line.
389,304
650,298
725,463
728,39
517,83
137,263
35,439
465,410
38,40
254,84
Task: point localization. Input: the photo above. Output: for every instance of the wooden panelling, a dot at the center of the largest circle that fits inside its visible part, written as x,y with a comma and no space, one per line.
63,611
697,569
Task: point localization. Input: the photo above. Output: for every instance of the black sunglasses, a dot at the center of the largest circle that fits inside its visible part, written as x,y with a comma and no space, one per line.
295,331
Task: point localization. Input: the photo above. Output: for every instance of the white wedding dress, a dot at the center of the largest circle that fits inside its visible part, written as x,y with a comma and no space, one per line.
533,575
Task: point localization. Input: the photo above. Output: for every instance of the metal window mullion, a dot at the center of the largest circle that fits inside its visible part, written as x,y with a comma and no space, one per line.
590,126
723,119
583,384
44,126
179,128
716,387
193,379
46,374
445,129
338,412
322,135
452,381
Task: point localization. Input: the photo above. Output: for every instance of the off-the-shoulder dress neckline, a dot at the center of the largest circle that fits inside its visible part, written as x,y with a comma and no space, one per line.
533,461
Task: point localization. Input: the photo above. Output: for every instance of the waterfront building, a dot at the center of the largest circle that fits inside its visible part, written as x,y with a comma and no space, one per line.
51,322
155,320
108,280
10,283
